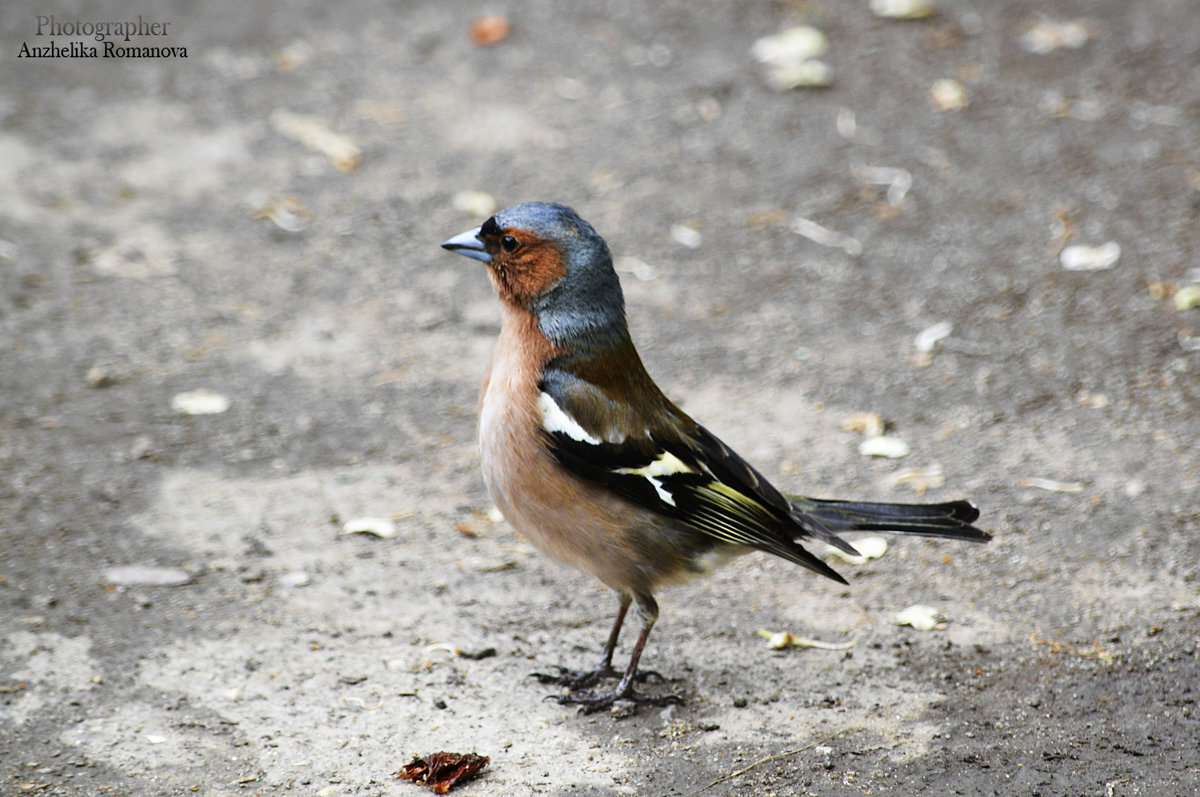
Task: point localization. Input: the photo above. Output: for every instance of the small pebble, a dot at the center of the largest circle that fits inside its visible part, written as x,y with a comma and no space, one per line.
867,547
146,576
1090,258
1187,297
883,446
477,203
688,236
287,212
297,578
199,402
791,58
380,527
898,181
792,44
948,94
922,618
927,338
1050,35
637,267
98,377
903,9
1134,487
141,448
809,73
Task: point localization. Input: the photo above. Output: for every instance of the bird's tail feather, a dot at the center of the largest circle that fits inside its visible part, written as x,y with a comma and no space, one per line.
951,520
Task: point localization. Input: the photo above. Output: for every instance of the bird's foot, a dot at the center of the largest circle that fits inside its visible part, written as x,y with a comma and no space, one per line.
591,702
576,680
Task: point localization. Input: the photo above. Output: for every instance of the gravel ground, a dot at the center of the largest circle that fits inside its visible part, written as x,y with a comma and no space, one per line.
181,224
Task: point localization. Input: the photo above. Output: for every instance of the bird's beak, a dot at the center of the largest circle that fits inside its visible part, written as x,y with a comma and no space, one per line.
468,244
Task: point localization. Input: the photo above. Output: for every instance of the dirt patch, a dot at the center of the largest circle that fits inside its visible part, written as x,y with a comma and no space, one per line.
160,235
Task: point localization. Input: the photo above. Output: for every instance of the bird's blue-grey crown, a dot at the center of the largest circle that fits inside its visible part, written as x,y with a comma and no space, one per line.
586,306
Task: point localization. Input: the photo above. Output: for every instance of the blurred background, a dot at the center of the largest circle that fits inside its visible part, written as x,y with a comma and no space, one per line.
960,234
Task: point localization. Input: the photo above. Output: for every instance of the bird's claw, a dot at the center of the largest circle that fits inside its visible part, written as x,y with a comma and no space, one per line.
575,679
591,703
585,679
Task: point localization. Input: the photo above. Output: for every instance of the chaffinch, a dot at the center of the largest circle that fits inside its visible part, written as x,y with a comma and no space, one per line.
585,456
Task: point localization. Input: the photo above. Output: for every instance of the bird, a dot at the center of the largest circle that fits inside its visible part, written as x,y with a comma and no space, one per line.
584,455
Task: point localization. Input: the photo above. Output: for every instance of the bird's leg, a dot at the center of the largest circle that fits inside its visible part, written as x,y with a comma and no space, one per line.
584,679
624,691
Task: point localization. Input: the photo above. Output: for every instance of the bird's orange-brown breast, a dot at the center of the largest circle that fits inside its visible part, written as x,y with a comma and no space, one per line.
534,268
571,519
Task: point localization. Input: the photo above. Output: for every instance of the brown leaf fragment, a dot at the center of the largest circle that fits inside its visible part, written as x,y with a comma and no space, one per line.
488,30
1065,230
1092,651
765,219
443,771
316,134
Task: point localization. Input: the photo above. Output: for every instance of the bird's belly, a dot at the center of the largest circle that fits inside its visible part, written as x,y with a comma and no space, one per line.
582,524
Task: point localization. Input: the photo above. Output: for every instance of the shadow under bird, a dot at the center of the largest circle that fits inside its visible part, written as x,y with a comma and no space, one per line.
585,456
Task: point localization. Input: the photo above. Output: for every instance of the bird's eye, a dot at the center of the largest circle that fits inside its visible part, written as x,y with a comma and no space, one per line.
509,244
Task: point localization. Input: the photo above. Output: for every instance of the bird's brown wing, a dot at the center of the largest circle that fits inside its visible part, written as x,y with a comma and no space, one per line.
666,462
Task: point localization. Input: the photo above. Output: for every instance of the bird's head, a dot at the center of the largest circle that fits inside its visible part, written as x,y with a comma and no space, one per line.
544,258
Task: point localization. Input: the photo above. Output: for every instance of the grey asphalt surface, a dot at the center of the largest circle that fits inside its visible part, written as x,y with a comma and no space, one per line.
169,225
